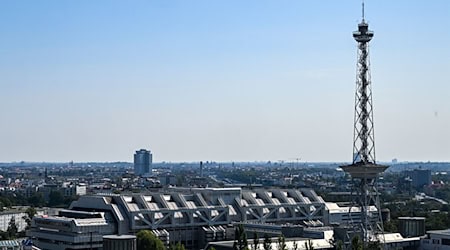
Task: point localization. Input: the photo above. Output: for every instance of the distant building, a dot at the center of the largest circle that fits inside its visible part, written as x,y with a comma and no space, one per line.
167,179
420,177
70,189
142,162
67,189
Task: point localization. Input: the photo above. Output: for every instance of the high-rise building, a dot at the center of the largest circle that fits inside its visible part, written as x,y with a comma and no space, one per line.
143,162
420,177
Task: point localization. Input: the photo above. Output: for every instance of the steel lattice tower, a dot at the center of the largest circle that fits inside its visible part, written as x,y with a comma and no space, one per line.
364,170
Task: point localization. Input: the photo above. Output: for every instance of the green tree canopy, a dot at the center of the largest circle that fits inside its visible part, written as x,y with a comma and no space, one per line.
177,246
267,244
357,243
30,213
55,198
240,238
12,229
295,245
146,240
37,200
255,241
282,243
309,245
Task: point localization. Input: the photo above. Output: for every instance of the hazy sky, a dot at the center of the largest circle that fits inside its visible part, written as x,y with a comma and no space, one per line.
219,80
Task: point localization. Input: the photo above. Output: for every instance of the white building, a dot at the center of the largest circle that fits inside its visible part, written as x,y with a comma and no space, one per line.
436,240
18,213
71,230
192,216
342,215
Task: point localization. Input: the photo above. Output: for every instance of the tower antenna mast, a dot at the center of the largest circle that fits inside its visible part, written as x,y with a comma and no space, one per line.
363,19
364,170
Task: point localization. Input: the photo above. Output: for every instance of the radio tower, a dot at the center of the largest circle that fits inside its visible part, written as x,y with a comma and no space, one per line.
364,170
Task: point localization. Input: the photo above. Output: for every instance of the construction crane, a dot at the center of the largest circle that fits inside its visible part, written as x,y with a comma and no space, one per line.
297,160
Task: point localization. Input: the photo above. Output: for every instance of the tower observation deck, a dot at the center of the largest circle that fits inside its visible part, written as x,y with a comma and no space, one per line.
364,170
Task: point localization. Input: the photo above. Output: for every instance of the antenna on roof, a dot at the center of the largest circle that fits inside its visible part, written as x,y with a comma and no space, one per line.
363,11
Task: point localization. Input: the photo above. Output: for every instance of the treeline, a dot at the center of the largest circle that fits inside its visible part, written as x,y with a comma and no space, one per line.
55,199
241,243
437,216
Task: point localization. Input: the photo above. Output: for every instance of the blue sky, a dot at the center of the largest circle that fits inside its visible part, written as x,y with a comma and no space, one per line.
219,80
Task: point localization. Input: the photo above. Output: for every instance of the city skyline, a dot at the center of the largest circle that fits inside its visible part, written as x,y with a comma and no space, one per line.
220,81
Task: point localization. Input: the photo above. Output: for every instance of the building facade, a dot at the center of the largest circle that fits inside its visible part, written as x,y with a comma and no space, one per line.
142,162
18,214
71,230
420,177
192,216
436,240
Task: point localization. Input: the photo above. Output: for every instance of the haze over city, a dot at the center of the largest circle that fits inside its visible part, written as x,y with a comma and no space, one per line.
221,81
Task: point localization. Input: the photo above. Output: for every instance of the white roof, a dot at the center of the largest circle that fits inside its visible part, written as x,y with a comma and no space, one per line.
395,237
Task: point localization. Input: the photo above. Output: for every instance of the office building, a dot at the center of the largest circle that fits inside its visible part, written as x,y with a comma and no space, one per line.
420,177
143,162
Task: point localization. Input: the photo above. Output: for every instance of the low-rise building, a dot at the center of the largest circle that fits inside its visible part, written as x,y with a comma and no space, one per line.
192,216
71,230
18,213
436,239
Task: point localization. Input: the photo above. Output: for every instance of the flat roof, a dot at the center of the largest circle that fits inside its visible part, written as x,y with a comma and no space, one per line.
443,232
396,238
411,218
119,237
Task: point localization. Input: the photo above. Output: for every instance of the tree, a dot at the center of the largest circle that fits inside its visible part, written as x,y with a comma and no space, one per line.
146,240
282,243
240,238
178,246
244,239
12,228
267,244
255,241
37,200
374,245
295,245
390,227
339,245
309,245
70,199
5,202
357,244
55,198
4,235
30,213
336,243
